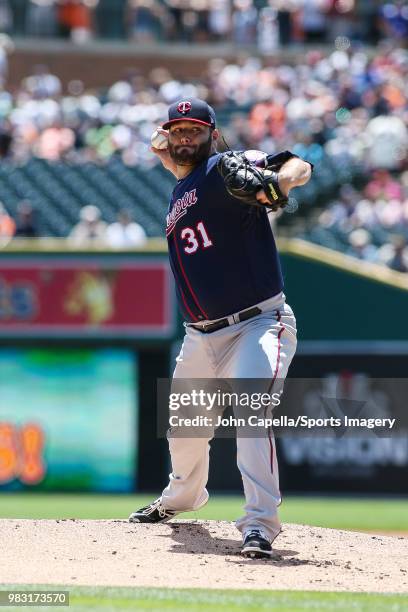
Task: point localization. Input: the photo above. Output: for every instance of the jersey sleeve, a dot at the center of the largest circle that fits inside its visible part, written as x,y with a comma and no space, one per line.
276,161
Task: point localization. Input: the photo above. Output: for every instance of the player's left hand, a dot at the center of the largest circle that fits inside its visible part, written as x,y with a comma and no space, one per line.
252,185
283,186
261,197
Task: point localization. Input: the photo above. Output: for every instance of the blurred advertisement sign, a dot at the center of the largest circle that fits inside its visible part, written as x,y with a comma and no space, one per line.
21,453
358,459
68,419
85,296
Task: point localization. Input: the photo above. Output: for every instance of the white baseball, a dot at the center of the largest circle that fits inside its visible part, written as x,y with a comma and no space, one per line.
159,140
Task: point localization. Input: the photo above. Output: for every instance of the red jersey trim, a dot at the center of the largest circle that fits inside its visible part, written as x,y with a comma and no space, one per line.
282,329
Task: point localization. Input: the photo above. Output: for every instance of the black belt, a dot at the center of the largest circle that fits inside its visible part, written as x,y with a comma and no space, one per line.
208,328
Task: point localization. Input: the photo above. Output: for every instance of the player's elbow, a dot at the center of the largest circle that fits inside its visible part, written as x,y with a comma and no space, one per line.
296,171
305,172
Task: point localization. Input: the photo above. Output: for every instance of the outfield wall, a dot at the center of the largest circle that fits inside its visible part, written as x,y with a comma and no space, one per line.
55,301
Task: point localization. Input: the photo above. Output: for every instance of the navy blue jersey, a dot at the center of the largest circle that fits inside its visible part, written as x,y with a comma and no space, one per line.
222,252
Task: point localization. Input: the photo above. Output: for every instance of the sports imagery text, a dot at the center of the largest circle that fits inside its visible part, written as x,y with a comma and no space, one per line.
283,421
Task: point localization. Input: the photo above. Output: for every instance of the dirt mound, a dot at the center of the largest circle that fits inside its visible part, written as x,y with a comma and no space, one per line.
197,554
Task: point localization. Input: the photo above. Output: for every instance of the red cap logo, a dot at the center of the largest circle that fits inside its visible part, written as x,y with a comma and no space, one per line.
184,107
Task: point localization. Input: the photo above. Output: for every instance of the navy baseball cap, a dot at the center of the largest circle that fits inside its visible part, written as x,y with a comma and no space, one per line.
191,109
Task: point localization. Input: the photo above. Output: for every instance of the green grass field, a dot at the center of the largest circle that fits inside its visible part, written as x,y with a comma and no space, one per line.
363,514
83,599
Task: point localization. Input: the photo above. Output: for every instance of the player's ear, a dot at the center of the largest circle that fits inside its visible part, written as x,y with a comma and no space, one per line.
215,134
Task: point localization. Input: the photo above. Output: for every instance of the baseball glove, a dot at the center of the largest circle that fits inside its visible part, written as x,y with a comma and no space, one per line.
243,180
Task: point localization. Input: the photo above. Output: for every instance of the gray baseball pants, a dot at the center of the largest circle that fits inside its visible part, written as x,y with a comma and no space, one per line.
259,348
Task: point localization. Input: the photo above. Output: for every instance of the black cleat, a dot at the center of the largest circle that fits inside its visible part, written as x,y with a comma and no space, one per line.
256,546
155,513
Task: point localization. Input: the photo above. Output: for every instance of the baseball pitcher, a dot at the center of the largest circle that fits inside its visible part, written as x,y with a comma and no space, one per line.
230,290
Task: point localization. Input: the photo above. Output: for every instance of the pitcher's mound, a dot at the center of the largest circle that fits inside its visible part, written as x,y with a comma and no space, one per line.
202,554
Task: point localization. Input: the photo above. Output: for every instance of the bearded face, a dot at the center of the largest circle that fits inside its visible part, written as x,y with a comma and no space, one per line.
192,152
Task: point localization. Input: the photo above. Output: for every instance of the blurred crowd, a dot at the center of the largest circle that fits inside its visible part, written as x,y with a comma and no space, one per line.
91,228
266,23
343,105
371,225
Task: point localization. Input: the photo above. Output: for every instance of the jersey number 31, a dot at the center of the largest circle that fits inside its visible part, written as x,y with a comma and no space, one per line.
194,237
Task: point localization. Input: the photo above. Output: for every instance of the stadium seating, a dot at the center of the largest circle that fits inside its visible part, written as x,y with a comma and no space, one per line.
59,190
